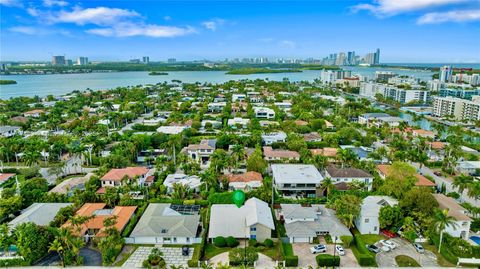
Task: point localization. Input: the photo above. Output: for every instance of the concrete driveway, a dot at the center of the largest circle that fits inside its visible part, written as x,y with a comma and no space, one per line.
387,259
305,258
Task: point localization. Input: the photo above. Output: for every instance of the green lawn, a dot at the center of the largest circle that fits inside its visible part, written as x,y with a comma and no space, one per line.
406,261
288,249
440,259
271,252
371,238
212,251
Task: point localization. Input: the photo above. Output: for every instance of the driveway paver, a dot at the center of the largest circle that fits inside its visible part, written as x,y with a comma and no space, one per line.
172,256
305,258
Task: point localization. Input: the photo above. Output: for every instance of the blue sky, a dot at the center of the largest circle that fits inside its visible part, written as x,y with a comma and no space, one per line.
405,30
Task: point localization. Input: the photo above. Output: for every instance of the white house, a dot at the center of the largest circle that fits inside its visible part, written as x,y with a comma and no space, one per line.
468,167
9,131
171,129
238,97
201,152
296,179
167,224
269,139
216,107
285,106
233,123
120,177
253,220
303,224
367,222
461,228
193,182
264,112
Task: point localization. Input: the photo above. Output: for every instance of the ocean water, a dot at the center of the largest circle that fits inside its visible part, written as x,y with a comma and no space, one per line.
59,84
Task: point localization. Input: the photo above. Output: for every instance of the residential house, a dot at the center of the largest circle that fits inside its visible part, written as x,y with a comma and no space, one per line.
285,106
312,137
144,155
36,113
238,122
9,131
368,118
253,220
264,112
280,154
38,213
305,223
269,139
171,129
461,228
423,133
97,213
122,176
201,152
214,123
238,97
246,181
421,181
468,167
330,153
216,107
168,224
367,222
192,182
361,152
342,176
296,179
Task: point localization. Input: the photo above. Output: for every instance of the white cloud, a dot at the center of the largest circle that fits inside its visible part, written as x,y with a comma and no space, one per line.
51,3
30,30
288,44
213,24
393,7
450,16
99,15
128,29
11,3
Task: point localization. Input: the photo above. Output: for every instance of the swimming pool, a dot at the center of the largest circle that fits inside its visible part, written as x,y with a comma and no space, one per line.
476,239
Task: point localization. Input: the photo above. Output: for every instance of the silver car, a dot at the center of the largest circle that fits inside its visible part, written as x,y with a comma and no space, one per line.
419,248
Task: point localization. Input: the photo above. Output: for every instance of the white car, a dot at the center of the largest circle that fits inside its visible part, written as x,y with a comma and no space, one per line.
340,250
388,243
318,249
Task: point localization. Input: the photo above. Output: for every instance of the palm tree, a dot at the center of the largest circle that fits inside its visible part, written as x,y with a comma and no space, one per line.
327,186
474,190
180,191
346,156
31,157
56,246
462,182
442,221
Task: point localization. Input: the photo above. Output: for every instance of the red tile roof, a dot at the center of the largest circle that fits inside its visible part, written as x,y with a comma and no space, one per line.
279,153
245,177
130,172
4,177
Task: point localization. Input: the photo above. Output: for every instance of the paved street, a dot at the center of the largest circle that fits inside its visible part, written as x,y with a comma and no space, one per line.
387,259
448,184
172,256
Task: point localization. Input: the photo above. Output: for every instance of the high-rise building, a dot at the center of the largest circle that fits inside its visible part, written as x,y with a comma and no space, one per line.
82,60
446,73
369,58
172,60
458,108
58,60
68,62
351,58
340,59
384,75
376,58
145,59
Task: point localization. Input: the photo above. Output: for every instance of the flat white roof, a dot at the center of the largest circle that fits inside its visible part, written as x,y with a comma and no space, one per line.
296,173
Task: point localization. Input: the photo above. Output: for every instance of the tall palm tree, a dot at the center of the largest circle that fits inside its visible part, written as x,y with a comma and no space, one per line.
462,182
327,186
56,246
474,190
346,156
31,157
441,221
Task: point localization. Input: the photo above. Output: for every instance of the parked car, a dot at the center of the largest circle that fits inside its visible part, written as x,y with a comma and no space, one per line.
389,234
437,173
373,248
419,248
318,249
388,243
340,250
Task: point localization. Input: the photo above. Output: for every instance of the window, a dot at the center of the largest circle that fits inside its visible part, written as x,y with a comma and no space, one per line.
174,240
253,229
188,239
367,220
253,236
375,228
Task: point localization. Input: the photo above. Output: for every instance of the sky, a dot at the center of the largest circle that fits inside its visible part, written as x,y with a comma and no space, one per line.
406,31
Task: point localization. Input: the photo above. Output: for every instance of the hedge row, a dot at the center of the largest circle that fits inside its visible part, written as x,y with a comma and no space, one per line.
363,255
196,256
327,260
199,251
285,249
133,222
13,262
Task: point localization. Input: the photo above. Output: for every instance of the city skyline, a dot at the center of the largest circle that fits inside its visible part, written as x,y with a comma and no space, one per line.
424,31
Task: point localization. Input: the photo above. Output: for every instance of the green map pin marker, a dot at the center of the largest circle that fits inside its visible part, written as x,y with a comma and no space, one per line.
238,198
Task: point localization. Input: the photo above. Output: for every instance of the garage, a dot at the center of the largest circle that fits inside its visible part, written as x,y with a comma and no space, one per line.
300,240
